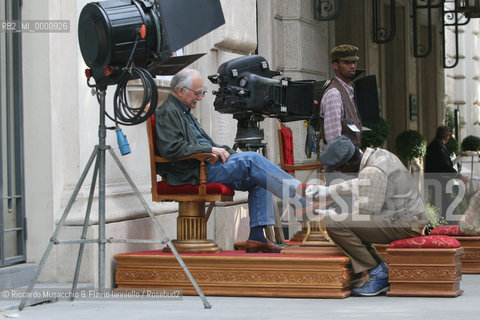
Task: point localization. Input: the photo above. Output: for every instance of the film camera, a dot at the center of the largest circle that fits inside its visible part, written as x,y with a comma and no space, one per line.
248,91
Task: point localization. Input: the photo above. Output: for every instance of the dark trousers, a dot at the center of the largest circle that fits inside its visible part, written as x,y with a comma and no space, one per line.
354,234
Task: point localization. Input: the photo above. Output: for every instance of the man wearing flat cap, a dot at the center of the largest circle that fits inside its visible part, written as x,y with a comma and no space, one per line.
338,111
388,207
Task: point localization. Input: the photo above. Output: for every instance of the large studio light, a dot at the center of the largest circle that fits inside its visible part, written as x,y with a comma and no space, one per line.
113,34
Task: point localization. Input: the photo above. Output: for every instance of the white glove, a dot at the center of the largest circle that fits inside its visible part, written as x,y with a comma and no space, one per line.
317,191
325,212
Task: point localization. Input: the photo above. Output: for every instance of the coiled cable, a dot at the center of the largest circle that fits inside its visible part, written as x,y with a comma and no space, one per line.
125,114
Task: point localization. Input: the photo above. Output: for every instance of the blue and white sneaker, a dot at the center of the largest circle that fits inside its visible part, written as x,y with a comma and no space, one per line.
378,282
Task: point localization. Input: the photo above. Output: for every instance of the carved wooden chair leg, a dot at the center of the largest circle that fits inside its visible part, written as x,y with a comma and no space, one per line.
209,210
270,234
279,236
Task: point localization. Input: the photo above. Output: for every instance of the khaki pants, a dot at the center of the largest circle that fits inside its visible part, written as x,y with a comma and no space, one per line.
354,234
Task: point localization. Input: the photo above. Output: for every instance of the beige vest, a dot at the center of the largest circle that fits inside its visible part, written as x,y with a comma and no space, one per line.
402,200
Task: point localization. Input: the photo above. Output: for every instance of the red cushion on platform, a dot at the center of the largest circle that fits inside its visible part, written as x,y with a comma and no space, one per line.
450,230
438,241
212,188
287,143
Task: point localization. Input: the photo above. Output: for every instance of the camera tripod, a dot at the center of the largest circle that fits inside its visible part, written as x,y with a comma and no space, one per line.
250,138
98,154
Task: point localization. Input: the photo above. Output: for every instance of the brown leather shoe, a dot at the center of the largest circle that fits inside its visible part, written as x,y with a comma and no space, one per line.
252,246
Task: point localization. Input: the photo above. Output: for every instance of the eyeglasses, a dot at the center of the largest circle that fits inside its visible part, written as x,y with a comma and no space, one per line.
197,93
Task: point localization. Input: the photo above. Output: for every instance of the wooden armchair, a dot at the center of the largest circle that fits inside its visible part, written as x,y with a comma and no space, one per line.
192,219
313,232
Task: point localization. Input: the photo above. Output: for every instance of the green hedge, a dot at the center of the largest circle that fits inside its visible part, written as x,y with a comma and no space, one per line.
376,136
410,144
471,143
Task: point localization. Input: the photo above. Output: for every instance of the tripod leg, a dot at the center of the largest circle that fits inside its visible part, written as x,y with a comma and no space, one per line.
162,232
84,232
53,239
102,134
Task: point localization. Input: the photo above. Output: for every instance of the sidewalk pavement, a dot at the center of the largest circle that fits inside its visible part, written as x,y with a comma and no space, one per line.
466,306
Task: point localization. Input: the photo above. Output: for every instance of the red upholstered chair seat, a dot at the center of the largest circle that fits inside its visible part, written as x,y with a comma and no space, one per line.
287,143
449,230
212,188
436,241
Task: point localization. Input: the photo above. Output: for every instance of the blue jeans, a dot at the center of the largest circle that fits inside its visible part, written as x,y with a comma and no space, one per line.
252,172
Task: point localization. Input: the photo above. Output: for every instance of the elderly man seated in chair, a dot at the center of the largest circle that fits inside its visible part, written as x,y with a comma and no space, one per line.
388,206
179,134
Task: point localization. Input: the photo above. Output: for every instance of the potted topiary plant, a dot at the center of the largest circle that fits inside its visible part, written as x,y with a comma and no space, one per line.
471,143
410,144
376,136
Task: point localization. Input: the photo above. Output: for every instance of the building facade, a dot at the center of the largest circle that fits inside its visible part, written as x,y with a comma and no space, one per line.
60,115
462,81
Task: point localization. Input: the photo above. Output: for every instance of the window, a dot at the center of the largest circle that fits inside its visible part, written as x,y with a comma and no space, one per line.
12,217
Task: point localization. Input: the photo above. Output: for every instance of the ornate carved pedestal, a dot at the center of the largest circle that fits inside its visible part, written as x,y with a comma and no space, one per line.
470,257
313,233
424,272
235,273
192,230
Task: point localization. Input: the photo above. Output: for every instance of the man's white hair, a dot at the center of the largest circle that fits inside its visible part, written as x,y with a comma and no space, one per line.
183,79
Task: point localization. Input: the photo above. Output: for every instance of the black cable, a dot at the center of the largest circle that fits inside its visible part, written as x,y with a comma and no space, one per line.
125,114
128,115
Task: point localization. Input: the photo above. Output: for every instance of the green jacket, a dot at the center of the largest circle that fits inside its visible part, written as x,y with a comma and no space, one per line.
176,139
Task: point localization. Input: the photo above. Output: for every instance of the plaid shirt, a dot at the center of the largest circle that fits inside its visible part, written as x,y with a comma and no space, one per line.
332,111
369,189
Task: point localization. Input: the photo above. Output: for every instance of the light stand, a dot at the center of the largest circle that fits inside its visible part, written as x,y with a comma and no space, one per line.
99,154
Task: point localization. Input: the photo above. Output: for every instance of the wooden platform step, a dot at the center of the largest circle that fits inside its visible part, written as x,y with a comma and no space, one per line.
319,250
470,257
235,273
417,272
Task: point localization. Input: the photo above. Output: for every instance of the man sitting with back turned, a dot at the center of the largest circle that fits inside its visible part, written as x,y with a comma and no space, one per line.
179,134
388,207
